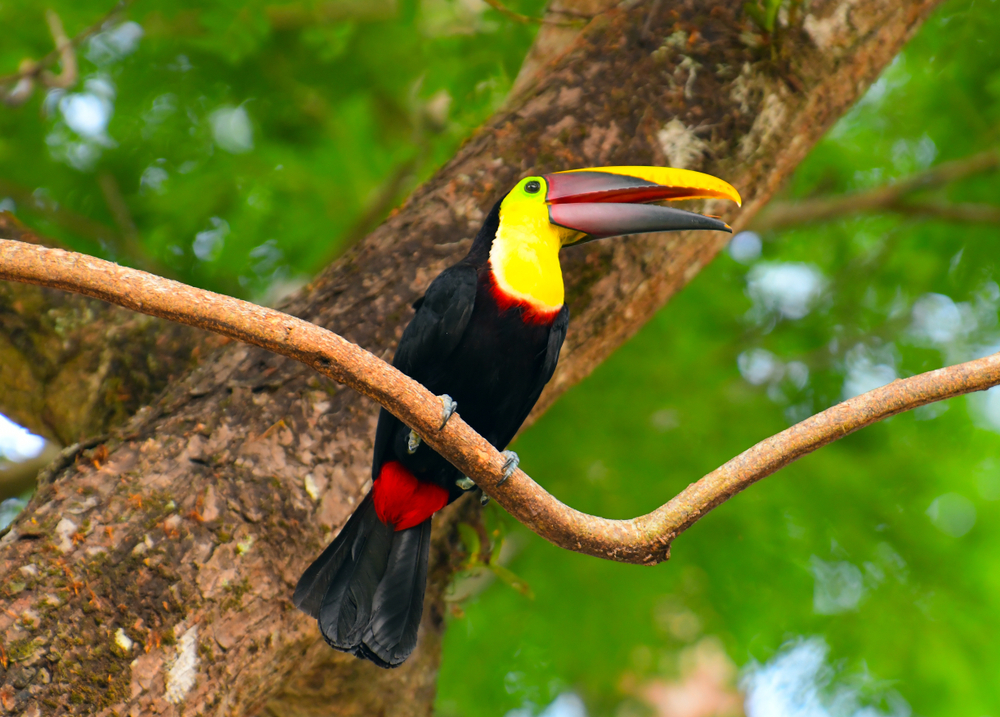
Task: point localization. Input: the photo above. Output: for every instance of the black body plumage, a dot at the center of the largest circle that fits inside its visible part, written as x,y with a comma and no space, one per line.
367,588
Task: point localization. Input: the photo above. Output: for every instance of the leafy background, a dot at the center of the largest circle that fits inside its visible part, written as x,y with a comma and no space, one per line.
239,146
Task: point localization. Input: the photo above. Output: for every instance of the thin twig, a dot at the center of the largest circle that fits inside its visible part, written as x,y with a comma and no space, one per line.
122,243
889,198
385,197
13,228
118,208
526,19
29,71
966,213
67,55
16,477
643,540
78,224
653,9
128,243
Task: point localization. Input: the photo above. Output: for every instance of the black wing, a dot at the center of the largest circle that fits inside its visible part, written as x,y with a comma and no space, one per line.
557,334
441,318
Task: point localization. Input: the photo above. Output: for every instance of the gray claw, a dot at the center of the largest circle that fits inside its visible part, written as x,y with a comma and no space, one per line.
465,483
412,442
510,462
449,406
483,499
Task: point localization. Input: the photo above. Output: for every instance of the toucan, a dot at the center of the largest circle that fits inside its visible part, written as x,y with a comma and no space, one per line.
485,337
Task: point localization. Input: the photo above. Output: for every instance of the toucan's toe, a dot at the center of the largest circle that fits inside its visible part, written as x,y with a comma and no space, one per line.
510,464
412,442
448,408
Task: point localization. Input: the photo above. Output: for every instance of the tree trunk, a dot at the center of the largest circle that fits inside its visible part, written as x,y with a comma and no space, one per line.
70,367
153,573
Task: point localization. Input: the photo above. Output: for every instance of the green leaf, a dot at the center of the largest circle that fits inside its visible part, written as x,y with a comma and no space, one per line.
515,581
764,16
471,543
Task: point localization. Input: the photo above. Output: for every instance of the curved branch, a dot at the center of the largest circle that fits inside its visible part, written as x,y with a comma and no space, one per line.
527,19
29,71
67,55
643,540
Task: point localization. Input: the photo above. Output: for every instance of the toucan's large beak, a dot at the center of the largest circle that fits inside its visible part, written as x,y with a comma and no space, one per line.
611,201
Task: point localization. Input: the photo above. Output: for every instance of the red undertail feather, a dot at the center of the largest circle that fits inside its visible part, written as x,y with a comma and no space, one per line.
402,501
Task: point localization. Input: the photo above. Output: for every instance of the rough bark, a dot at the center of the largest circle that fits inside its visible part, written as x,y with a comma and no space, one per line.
187,530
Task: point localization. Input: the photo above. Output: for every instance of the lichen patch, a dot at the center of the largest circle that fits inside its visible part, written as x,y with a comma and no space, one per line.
682,148
64,532
311,488
826,32
182,670
743,88
692,67
243,547
123,641
770,119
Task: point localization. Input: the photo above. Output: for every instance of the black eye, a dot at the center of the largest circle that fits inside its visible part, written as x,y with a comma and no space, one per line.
533,186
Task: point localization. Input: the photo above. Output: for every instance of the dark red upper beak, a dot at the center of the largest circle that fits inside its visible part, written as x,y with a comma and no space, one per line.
612,201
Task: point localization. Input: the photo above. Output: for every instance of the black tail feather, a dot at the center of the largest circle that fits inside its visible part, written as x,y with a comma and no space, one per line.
367,588
347,607
315,581
396,609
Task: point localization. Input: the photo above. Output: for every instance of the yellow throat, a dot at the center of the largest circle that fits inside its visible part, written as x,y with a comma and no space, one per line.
524,257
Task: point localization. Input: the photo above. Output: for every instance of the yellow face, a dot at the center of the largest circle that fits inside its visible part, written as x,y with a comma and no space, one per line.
525,253
536,216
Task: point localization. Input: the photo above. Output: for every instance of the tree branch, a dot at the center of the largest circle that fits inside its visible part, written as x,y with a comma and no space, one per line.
949,212
644,540
527,19
891,198
16,477
23,80
127,242
79,224
67,55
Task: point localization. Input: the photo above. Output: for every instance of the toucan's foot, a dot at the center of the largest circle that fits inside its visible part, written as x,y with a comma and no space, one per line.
510,462
483,498
412,442
465,483
448,406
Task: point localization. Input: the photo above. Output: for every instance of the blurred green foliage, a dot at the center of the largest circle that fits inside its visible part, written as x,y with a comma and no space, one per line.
247,142
270,129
